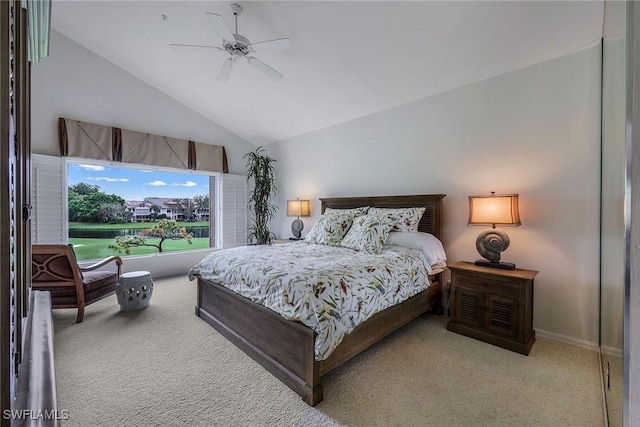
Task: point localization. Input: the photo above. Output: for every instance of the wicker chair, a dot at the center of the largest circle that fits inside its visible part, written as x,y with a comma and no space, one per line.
54,268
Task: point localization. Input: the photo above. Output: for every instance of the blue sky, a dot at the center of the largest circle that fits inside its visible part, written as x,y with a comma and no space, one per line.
136,184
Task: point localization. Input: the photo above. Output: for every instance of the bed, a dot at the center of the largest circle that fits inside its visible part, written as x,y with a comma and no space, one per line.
287,348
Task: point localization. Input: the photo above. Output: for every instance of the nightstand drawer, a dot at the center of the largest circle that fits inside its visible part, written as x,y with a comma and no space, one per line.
498,287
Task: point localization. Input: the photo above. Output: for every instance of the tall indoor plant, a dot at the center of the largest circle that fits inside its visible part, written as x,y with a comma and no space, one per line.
260,169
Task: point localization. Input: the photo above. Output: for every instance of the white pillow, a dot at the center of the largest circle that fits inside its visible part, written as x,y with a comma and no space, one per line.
431,268
429,244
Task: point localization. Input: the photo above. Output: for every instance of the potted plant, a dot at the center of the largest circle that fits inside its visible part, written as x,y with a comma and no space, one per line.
261,171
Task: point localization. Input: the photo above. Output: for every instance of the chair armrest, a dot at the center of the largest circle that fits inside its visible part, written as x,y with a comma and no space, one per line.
104,262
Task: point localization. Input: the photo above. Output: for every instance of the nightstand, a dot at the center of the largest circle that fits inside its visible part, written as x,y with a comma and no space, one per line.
493,305
277,241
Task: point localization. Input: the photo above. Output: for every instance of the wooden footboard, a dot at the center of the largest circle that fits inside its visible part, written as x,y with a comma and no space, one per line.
285,348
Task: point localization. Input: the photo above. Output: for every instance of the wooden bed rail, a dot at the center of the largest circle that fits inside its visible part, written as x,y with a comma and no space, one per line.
36,401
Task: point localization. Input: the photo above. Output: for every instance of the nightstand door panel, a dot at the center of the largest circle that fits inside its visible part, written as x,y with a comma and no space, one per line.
502,315
469,306
493,305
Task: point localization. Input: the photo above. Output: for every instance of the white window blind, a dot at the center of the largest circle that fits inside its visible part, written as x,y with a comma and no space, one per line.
231,223
49,198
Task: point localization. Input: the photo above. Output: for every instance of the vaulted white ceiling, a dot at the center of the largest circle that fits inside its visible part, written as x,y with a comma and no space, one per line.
350,59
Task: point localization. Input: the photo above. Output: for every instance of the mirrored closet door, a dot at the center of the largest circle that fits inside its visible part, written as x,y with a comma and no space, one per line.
612,208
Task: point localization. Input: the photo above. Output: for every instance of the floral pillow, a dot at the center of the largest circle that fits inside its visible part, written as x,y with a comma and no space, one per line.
407,219
330,229
354,212
368,233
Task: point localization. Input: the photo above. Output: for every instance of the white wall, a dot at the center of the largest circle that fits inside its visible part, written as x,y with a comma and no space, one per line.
534,132
76,83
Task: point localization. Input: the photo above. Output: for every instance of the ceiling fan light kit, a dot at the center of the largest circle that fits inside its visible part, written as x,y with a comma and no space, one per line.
238,46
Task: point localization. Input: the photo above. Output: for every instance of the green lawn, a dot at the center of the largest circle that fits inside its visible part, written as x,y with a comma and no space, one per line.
88,249
96,248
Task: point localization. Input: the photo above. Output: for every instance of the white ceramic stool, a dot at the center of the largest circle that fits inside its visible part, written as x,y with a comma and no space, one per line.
134,290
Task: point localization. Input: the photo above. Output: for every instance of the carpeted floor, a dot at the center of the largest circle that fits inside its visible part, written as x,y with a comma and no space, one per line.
163,366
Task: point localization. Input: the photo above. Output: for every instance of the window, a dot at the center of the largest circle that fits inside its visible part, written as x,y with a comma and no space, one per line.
135,211
92,204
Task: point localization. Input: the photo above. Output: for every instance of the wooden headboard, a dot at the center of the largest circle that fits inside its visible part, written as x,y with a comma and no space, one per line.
431,221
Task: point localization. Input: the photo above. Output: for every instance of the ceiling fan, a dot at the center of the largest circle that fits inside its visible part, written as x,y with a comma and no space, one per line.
238,46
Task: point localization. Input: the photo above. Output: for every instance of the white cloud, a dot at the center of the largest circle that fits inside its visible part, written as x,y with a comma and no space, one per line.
104,178
186,184
157,183
96,168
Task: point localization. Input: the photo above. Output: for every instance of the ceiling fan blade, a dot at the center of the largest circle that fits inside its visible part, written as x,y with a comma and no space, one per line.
225,71
196,46
276,44
220,26
266,70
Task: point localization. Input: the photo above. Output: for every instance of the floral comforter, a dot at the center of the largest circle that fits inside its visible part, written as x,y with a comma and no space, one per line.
330,289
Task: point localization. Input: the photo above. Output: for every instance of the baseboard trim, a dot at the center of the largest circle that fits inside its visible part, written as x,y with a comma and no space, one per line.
612,351
568,340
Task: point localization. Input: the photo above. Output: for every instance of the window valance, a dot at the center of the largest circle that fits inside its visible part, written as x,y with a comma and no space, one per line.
99,142
86,140
154,150
208,155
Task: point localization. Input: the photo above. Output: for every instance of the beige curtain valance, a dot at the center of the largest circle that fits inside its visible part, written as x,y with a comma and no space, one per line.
92,141
209,157
154,150
86,140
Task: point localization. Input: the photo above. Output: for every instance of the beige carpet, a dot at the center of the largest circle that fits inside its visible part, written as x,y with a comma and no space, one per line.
163,366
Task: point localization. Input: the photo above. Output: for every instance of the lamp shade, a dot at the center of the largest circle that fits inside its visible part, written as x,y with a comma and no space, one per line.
494,209
298,207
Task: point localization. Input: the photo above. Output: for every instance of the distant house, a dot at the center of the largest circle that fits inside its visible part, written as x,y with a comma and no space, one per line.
142,211
139,210
168,207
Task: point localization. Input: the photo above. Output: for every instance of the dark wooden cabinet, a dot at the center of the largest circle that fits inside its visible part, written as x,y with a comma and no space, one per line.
493,305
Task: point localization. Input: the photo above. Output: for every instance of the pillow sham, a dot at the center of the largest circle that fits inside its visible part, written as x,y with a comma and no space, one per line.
427,243
329,229
352,211
368,233
407,219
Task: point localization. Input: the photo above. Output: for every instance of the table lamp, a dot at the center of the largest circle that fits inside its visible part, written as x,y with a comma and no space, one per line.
297,208
495,209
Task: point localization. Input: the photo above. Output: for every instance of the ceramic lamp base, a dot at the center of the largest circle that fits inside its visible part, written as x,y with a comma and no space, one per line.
296,228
